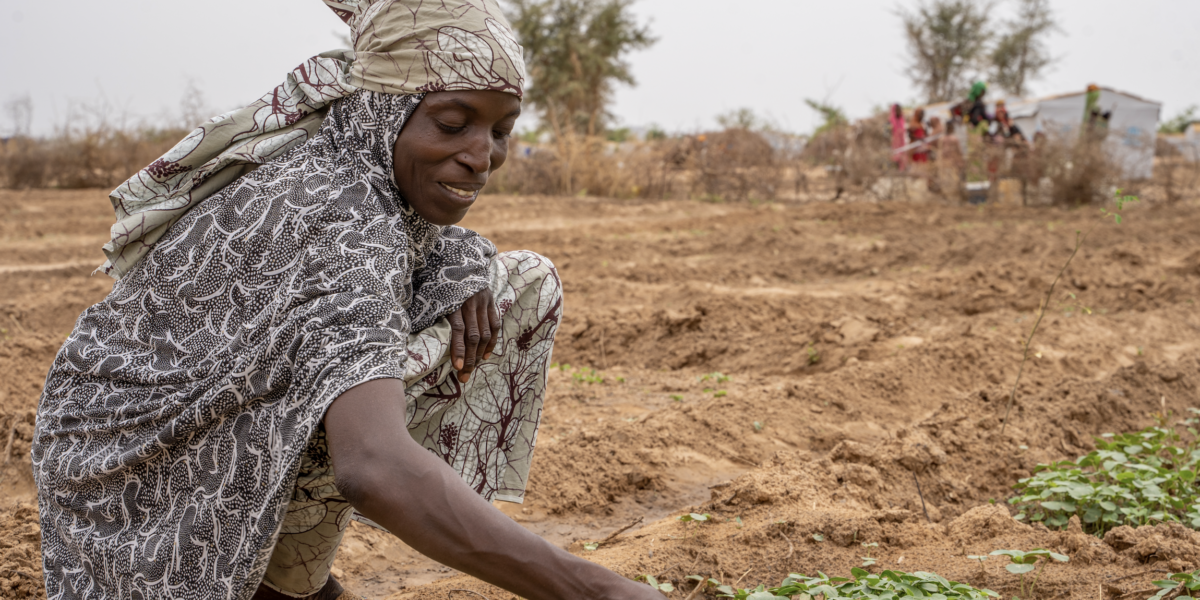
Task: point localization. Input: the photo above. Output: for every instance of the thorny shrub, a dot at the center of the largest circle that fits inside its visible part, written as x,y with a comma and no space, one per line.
1131,478
729,165
888,585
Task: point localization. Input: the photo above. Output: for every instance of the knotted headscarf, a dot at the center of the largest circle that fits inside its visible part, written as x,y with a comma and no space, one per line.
400,47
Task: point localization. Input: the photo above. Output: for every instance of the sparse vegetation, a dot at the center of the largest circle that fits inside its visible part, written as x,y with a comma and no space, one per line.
1130,479
889,585
1024,562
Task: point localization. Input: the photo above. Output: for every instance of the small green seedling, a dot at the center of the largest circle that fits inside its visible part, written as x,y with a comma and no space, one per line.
868,560
978,558
720,394
758,426
715,377
677,397
591,546
818,537
1022,563
589,376
653,582
705,581
700,517
1189,581
814,357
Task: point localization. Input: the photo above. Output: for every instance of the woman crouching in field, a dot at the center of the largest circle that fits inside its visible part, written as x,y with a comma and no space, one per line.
299,335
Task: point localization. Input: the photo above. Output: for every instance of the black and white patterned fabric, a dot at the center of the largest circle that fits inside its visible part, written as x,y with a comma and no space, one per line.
173,419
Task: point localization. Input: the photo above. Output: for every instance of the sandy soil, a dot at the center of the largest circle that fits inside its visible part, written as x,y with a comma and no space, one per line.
869,348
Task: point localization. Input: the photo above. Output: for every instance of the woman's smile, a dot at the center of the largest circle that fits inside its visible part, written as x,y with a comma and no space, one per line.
462,190
449,147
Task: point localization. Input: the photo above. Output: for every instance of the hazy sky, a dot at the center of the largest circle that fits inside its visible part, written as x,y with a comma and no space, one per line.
711,57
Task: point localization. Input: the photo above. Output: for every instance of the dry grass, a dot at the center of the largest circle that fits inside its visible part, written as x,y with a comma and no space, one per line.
733,165
100,157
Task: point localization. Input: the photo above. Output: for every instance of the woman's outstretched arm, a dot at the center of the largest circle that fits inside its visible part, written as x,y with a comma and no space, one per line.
392,480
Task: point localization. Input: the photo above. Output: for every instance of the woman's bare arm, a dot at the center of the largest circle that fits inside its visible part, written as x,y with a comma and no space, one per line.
395,482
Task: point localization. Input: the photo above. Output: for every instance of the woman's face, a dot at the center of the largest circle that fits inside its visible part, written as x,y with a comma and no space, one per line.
449,146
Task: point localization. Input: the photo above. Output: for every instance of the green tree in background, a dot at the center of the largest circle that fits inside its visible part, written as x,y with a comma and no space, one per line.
1179,123
946,40
1020,54
832,116
575,52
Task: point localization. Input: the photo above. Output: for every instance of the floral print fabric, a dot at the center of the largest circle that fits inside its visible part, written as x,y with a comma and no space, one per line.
485,429
173,419
401,47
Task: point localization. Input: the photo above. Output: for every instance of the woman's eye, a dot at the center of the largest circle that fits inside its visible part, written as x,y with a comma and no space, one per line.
449,128
502,135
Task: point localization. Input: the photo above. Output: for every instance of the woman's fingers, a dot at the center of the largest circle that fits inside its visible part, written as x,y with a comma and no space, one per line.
485,331
494,319
457,347
471,337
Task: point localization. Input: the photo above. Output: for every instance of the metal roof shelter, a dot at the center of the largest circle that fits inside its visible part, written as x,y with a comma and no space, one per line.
1131,127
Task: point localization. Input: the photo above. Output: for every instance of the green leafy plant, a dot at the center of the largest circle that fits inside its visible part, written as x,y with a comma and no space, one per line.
654,583
1022,563
1132,478
1189,581
818,537
591,546
699,517
887,585
717,377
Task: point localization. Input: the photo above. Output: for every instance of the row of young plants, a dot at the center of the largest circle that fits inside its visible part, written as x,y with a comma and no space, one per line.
1129,479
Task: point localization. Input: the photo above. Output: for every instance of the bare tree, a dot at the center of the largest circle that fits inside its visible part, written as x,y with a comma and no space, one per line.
1021,55
19,112
947,39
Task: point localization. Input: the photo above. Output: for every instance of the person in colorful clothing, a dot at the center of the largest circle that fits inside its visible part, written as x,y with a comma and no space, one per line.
917,133
896,121
299,335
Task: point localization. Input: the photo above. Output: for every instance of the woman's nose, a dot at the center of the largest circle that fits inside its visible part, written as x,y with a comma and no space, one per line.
477,156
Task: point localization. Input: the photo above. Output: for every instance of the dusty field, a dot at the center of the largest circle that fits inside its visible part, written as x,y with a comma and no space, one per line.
869,347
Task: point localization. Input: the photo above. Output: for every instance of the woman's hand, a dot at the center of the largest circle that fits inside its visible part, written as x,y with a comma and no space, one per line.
392,480
474,329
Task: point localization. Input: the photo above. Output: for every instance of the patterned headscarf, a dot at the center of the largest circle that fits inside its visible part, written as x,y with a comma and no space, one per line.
978,89
400,47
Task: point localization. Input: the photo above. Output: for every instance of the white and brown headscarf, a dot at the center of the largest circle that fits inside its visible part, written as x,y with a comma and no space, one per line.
400,47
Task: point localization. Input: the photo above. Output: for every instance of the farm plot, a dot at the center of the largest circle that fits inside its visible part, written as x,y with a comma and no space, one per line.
822,384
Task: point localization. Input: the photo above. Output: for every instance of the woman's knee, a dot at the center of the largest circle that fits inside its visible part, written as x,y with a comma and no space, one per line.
530,272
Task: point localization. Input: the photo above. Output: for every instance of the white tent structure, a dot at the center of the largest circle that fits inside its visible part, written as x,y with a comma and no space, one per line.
1131,127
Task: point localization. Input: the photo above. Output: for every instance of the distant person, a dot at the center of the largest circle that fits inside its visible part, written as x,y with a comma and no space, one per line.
291,346
917,133
976,107
896,120
1006,129
1095,119
979,166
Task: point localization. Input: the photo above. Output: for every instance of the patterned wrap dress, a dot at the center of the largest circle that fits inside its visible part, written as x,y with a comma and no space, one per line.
179,451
